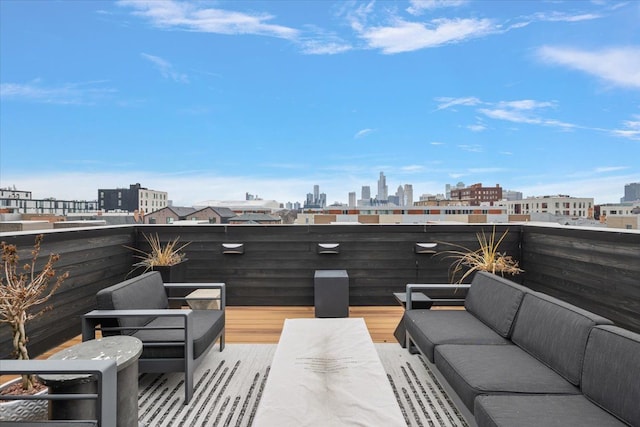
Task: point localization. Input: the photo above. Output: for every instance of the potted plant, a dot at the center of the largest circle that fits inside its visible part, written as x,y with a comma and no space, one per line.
168,259
486,258
168,255
24,292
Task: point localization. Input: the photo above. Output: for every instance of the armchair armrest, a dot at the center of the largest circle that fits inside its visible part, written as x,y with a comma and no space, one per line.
434,286
193,285
93,318
105,372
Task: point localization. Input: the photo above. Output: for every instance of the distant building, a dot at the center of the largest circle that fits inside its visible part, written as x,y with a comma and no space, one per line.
408,195
172,214
135,198
631,192
315,200
352,198
559,206
383,189
476,194
19,202
460,185
255,218
512,195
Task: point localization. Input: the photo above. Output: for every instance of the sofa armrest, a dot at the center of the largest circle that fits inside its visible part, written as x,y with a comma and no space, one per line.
426,287
193,285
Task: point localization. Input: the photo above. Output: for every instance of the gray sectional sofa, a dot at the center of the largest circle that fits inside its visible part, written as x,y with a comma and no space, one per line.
515,355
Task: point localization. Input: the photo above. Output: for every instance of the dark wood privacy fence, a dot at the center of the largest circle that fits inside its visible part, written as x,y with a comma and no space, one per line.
597,270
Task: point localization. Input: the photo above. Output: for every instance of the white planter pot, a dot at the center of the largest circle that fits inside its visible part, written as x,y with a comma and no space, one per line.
23,410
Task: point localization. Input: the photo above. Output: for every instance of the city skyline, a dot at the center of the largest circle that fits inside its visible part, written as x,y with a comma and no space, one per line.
211,100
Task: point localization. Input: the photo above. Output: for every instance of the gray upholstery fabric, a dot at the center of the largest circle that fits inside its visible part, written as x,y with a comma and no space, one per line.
611,372
142,292
473,370
555,332
207,324
495,301
429,328
536,411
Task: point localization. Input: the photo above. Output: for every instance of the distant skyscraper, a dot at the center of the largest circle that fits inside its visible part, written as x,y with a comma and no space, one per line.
383,190
408,195
352,198
316,199
400,195
631,192
366,192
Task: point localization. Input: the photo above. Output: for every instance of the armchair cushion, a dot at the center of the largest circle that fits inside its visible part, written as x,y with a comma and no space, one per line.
207,324
142,292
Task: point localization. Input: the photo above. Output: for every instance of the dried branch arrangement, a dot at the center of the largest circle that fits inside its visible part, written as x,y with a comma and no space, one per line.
23,289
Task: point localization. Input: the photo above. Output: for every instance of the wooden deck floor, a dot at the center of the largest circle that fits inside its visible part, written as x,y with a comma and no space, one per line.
263,325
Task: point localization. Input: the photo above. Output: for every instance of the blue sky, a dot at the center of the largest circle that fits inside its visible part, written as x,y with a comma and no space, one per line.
212,99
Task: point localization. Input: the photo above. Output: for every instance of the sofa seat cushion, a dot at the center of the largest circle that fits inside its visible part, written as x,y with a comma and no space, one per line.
429,328
473,370
543,410
207,324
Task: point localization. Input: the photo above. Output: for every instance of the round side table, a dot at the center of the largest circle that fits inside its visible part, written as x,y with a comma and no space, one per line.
125,350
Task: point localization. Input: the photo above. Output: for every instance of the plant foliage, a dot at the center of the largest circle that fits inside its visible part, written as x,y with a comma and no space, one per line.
485,258
159,255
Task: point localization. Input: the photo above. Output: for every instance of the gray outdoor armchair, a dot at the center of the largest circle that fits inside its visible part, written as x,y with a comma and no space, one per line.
104,371
174,340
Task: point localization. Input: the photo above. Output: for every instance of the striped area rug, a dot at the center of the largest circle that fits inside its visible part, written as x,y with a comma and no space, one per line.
229,385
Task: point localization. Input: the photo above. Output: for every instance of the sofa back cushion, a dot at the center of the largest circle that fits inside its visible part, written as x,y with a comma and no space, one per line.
611,372
495,301
142,292
555,332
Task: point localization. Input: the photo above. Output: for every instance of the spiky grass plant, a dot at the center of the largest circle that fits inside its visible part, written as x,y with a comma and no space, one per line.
159,255
21,291
485,258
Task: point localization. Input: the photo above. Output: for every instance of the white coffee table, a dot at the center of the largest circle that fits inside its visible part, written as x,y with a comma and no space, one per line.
326,372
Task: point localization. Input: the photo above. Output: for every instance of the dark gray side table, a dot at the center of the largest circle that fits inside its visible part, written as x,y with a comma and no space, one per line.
125,350
419,301
331,293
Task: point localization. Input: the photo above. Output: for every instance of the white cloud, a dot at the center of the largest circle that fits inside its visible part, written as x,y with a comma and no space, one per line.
605,169
437,143
418,6
166,69
526,104
446,102
83,93
412,168
404,36
199,17
362,133
475,148
565,17
618,66
477,127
